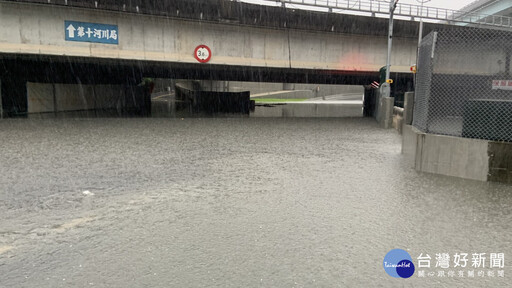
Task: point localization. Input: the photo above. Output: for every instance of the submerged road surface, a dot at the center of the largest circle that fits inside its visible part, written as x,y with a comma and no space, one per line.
234,203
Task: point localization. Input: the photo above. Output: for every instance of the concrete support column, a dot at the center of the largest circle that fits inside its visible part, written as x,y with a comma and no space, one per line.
386,112
408,107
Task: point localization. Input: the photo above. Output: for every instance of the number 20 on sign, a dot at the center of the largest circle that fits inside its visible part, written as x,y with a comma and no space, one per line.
202,53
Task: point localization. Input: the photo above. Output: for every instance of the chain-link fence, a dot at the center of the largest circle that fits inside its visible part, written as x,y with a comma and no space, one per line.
464,84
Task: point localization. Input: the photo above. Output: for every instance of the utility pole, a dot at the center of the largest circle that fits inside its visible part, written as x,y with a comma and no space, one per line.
421,28
387,88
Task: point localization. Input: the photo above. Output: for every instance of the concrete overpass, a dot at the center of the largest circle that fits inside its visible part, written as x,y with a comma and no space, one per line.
39,30
157,39
490,7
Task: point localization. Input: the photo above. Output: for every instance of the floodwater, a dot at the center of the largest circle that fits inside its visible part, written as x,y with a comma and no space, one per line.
232,202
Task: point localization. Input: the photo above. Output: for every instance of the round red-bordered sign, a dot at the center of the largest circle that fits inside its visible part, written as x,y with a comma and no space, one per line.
202,53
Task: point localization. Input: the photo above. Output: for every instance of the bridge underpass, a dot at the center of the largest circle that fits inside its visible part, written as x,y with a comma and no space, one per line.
266,53
18,70
257,44
223,202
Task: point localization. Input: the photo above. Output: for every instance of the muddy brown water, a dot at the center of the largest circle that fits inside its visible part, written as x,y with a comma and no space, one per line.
232,202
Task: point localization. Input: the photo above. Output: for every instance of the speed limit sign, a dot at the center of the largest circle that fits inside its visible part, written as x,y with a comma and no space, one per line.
202,53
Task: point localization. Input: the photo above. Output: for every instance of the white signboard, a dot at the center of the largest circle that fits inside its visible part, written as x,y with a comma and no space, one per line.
91,32
501,84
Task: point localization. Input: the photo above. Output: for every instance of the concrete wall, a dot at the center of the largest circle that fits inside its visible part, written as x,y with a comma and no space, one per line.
309,110
478,59
254,87
39,29
327,90
398,118
277,90
47,98
446,155
41,98
239,86
453,156
266,89
293,94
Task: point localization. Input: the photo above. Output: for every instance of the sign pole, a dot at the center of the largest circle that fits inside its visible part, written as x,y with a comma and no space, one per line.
392,7
420,32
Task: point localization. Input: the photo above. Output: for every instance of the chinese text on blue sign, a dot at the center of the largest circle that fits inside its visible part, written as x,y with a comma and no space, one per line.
91,32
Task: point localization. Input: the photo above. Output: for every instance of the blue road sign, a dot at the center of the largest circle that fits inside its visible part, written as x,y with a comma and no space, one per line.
91,32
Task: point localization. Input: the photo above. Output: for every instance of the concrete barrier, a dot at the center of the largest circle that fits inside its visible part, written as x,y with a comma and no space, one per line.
324,109
398,116
290,94
446,155
474,159
385,112
70,99
209,102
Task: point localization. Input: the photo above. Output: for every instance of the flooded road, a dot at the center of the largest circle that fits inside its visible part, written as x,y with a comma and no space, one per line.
241,202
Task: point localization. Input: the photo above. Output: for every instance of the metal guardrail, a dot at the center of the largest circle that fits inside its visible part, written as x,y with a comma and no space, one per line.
407,10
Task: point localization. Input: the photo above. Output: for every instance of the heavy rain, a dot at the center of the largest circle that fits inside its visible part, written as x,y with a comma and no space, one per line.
216,143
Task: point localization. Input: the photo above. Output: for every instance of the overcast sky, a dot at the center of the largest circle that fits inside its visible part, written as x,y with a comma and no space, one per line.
450,4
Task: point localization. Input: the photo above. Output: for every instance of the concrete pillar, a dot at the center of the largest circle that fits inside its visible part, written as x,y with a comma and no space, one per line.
386,112
408,107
